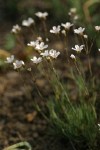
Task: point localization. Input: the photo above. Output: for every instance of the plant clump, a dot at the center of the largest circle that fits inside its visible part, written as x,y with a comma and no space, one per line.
76,121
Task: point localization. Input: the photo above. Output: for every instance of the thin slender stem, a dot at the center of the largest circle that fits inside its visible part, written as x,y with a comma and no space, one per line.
44,27
16,146
90,69
86,90
89,62
33,79
93,40
59,83
66,45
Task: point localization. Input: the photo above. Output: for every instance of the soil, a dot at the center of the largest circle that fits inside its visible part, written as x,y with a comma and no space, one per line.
19,120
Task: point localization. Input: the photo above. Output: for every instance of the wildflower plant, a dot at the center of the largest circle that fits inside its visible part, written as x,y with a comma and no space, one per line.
10,59
16,28
67,25
76,121
27,22
55,30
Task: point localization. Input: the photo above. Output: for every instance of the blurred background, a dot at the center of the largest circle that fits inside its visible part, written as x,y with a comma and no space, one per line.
14,11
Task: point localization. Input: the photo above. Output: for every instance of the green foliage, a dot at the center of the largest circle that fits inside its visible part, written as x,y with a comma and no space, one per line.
76,123
2,64
9,41
20,145
56,11
58,6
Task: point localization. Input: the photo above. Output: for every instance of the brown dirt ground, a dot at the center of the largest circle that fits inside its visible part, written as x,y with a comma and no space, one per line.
19,121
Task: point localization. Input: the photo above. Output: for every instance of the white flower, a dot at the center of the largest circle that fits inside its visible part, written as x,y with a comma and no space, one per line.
67,25
18,64
29,69
47,40
45,54
99,125
36,60
27,22
97,28
55,29
37,45
40,46
33,43
99,49
72,56
41,15
39,38
76,17
73,10
85,36
78,48
63,32
16,28
80,30
53,53
10,59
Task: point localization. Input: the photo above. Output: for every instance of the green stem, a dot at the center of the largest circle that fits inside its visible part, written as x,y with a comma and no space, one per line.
86,90
59,83
16,146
